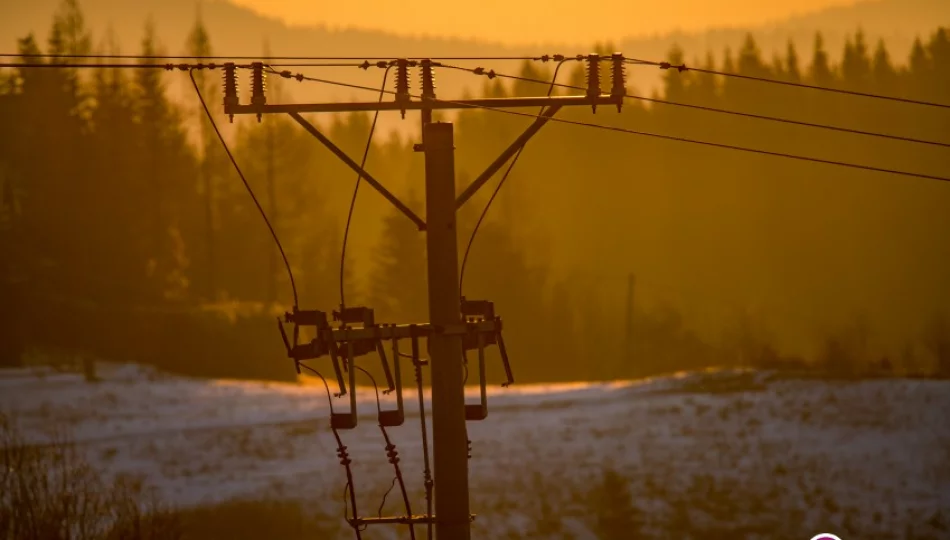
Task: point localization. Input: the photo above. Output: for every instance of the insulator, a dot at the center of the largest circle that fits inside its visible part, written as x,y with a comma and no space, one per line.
618,89
258,84
230,88
593,78
402,83
428,79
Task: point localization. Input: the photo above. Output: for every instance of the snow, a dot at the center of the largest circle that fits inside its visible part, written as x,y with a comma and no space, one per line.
878,449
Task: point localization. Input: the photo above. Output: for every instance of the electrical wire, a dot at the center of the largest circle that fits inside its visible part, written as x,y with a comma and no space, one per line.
471,238
356,188
280,247
683,67
542,58
98,65
492,74
664,137
426,471
344,458
391,453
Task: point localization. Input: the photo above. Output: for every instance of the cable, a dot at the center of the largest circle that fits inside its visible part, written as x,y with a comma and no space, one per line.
280,247
492,73
104,66
665,137
344,458
426,472
356,188
392,454
542,58
683,67
723,146
471,238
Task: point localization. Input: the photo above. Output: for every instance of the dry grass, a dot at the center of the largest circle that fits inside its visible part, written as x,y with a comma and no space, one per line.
50,492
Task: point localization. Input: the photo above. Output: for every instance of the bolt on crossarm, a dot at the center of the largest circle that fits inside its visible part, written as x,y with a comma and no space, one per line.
455,325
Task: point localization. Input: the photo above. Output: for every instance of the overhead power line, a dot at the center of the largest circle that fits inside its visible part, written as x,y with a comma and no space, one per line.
657,135
263,58
280,246
493,73
683,67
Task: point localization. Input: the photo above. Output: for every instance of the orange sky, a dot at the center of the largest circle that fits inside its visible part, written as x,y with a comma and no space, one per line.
535,21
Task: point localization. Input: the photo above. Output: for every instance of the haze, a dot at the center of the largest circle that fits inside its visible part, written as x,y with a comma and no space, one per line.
536,21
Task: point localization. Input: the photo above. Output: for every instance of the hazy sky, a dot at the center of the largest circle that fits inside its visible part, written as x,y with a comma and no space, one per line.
534,21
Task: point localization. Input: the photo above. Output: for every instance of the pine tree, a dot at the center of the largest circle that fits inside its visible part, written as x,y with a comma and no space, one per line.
398,285
199,44
820,71
855,65
883,74
792,69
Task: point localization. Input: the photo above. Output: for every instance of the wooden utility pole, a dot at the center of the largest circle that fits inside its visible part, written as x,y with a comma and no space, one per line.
449,436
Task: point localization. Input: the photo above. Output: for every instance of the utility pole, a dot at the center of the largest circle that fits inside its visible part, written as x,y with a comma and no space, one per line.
456,325
272,212
448,392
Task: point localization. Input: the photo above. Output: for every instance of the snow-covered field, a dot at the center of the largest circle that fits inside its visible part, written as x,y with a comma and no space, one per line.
750,452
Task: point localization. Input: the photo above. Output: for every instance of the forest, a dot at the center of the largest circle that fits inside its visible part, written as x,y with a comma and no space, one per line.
127,236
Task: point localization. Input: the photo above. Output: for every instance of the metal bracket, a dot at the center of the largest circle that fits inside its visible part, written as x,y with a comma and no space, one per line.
356,167
512,149
475,312
318,347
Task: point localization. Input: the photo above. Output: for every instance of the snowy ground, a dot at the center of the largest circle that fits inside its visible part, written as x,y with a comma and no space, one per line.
743,451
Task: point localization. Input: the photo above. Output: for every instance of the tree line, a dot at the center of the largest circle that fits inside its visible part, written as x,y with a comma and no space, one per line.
127,235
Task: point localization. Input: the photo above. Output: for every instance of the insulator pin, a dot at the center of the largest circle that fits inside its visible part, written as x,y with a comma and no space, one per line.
258,84
618,89
230,88
428,80
402,83
593,78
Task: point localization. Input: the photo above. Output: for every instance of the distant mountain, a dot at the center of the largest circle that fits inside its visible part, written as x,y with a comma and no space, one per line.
239,31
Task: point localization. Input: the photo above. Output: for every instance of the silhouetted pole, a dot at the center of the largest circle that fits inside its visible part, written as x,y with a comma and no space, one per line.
450,440
272,212
628,321
209,218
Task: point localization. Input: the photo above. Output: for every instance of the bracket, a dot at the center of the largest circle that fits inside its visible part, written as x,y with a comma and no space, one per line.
318,347
513,148
359,170
475,312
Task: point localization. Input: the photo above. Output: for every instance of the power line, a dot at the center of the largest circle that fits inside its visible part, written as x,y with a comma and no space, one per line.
661,136
492,74
471,239
542,58
683,67
356,188
280,247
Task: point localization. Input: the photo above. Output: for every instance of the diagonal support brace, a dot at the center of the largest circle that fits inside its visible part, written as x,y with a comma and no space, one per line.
512,149
359,170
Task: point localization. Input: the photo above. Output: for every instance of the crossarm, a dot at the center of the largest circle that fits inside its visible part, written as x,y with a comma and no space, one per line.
356,167
512,149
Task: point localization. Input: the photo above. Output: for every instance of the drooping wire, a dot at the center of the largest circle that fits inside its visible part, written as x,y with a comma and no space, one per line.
664,137
280,247
356,188
426,471
471,238
393,457
493,74
683,67
344,460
